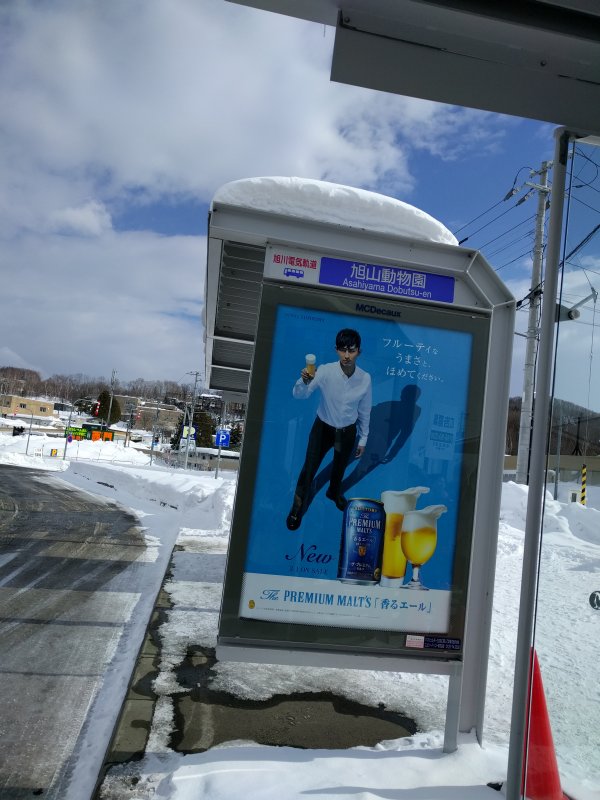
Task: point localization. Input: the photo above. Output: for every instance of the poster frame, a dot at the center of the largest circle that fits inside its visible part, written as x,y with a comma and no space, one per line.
237,630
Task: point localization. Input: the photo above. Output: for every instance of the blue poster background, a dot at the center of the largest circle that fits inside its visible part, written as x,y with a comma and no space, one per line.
420,377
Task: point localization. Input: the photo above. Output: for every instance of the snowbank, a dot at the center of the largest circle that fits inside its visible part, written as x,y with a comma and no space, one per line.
335,204
198,507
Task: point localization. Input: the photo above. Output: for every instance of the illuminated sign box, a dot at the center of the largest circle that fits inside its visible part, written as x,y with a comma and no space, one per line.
427,386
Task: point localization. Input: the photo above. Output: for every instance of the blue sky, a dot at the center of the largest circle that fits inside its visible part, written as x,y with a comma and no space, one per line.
120,121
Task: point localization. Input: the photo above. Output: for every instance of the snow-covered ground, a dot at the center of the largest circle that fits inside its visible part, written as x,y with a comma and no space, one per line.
414,768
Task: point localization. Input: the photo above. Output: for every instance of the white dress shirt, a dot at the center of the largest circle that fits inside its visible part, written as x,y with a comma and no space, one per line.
344,400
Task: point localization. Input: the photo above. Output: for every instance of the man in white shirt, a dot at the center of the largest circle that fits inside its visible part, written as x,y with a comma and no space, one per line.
344,410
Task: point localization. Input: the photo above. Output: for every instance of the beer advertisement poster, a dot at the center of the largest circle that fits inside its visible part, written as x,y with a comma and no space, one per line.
362,468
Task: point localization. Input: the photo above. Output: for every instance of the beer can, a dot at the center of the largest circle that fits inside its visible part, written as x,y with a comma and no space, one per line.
362,541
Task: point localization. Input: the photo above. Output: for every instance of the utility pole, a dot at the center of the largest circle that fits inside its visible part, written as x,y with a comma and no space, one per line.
191,418
129,407
577,448
29,434
219,425
535,294
558,446
154,429
112,392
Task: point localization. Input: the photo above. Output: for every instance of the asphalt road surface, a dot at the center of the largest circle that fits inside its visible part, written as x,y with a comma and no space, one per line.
72,568
78,584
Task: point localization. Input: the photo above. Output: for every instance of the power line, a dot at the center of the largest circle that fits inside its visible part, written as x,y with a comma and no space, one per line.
585,269
587,324
587,205
581,153
588,186
514,227
511,193
483,213
510,244
586,240
487,224
508,263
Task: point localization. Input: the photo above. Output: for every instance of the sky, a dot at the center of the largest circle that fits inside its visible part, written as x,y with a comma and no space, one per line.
411,768
121,120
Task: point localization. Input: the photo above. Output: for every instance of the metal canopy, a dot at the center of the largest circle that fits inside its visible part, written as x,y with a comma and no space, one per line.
535,59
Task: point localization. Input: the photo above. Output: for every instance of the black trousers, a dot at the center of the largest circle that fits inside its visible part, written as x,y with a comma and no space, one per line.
321,439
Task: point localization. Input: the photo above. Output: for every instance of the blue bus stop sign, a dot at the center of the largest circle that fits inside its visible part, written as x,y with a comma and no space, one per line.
222,438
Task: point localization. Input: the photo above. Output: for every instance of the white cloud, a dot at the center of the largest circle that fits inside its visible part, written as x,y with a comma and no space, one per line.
91,219
184,96
106,104
114,301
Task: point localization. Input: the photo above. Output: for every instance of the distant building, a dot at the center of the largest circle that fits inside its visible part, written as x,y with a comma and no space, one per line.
160,416
148,414
14,405
62,406
229,410
127,403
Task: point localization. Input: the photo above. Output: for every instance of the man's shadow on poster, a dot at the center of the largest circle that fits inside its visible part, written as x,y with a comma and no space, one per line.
391,423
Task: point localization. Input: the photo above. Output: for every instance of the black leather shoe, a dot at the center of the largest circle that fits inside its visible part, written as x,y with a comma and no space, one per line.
338,499
294,518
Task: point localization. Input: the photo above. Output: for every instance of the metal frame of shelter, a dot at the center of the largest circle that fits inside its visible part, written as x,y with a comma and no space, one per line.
238,240
537,472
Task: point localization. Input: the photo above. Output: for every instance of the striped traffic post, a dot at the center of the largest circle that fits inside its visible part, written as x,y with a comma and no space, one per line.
583,483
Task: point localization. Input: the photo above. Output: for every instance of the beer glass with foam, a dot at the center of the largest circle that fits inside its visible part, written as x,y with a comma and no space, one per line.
311,360
396,505
419,540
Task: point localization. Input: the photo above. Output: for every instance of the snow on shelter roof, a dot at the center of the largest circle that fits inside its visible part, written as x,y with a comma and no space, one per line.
335,204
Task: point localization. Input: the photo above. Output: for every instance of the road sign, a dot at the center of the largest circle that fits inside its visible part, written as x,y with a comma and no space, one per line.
222,438
191,430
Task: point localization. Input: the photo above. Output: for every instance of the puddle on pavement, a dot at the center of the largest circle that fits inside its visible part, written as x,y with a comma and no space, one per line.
205,718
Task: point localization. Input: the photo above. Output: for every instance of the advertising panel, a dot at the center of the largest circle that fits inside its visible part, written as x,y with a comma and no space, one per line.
354,512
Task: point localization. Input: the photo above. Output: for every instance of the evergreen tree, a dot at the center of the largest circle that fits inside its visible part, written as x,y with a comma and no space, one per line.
235,439
105,405
115,412
176,438
202,423
204,429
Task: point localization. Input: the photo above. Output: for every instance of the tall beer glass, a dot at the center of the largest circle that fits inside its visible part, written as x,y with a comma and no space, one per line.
396,505
419,540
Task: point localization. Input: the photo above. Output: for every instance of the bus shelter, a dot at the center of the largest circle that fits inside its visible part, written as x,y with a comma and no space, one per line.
293,265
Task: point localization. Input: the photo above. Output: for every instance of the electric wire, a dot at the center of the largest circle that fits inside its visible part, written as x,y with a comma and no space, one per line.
578,266
508,263
587,205
584,183
580,152
483,213
514,227
511,193
589,388
586,240
587,186
487,224
510,244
